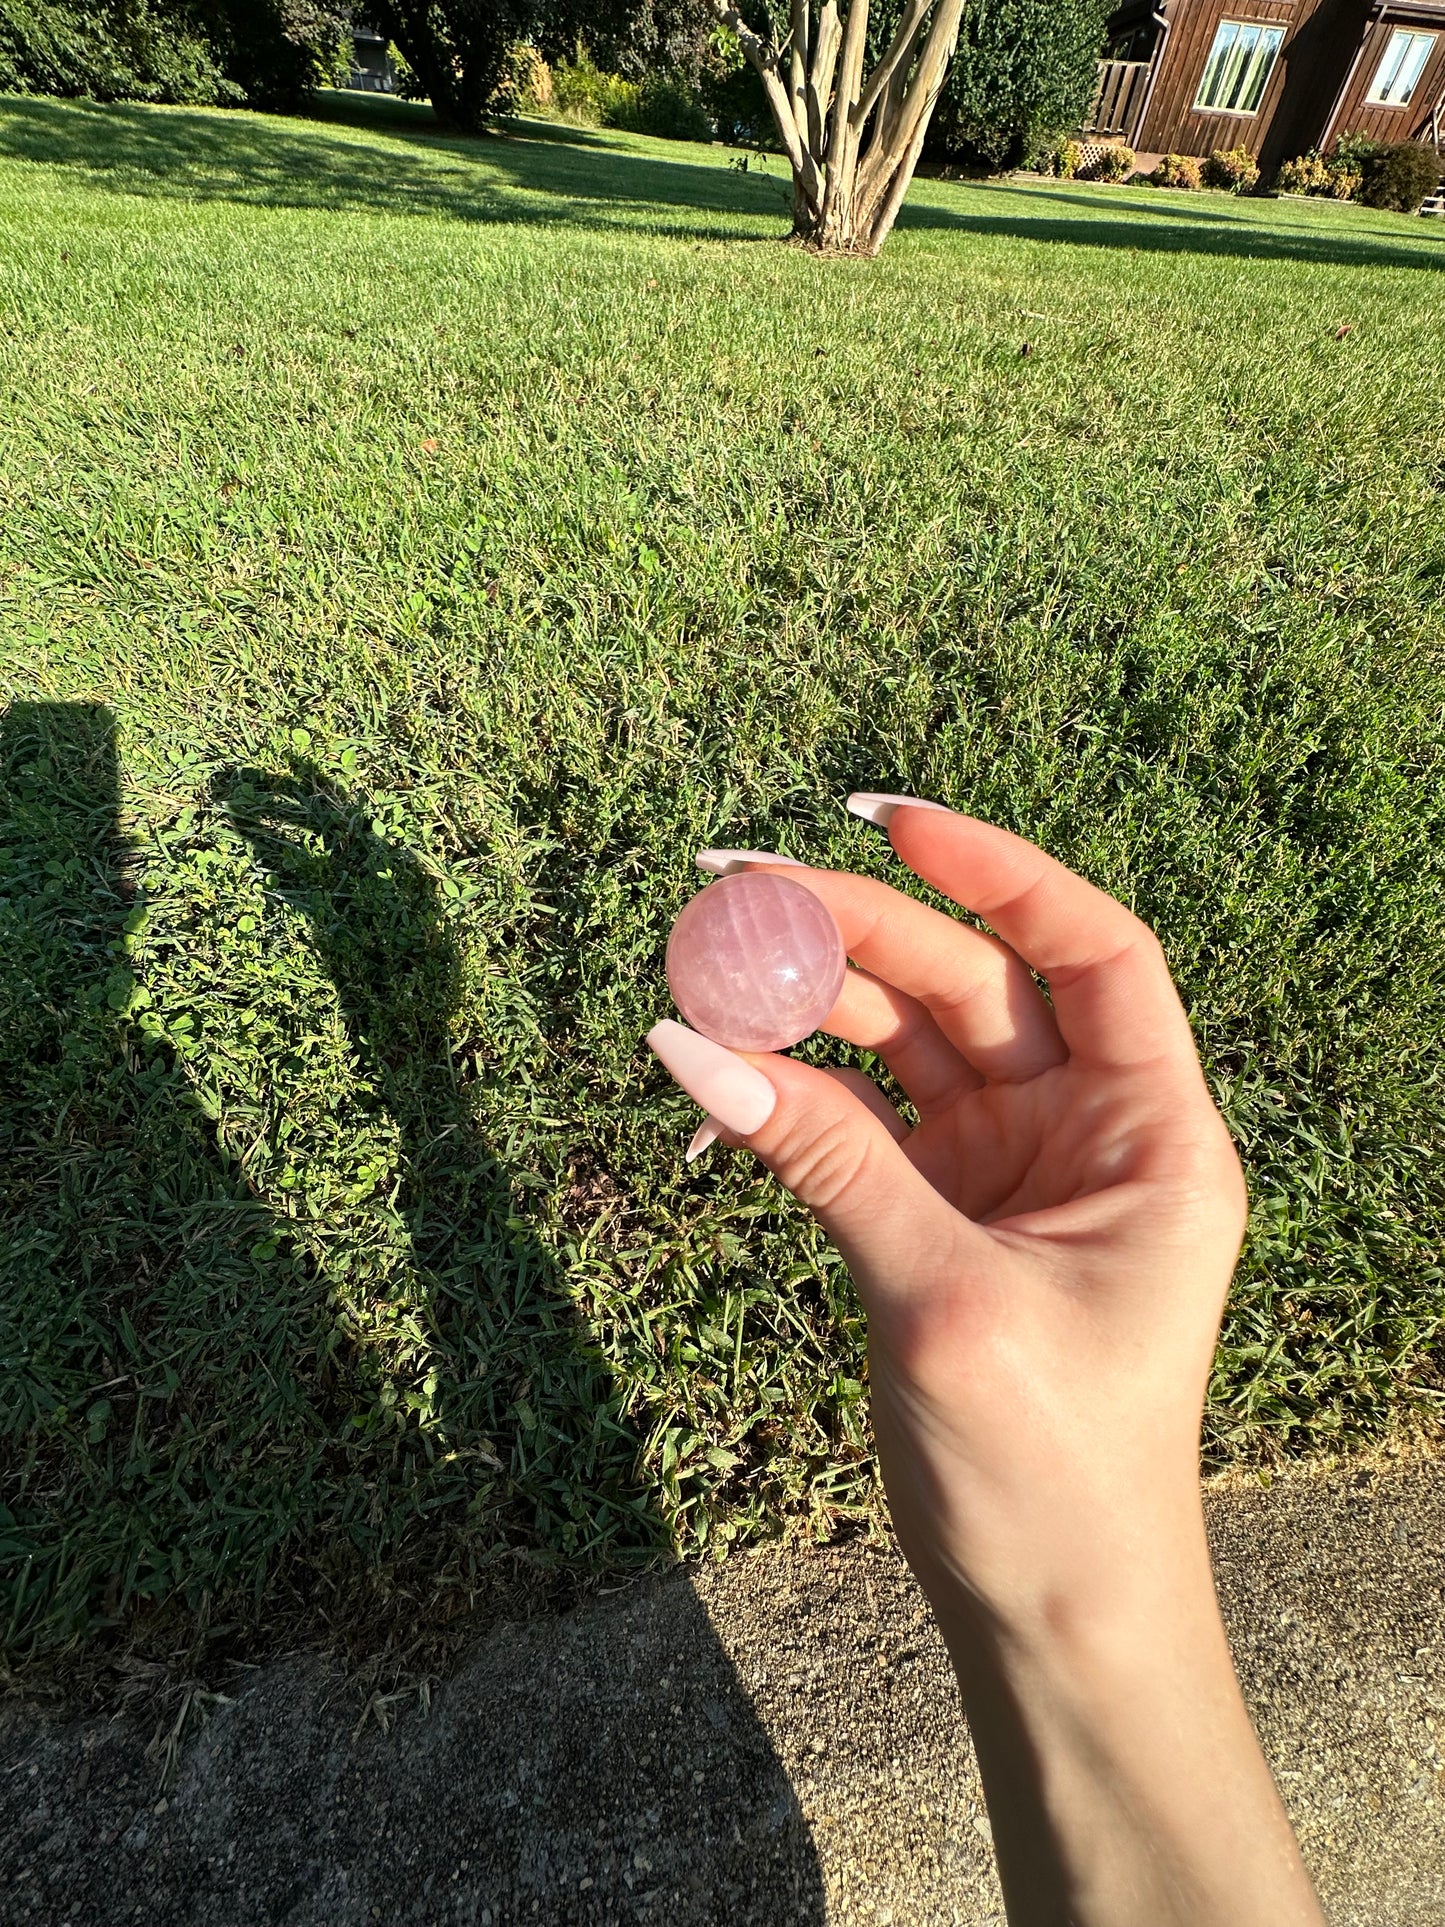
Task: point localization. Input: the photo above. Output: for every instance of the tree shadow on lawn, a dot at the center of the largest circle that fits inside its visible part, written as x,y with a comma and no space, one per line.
534,174
543,174
1154,229
200,1444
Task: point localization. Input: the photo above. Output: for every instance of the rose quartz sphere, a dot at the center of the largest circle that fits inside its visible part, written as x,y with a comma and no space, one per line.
755,962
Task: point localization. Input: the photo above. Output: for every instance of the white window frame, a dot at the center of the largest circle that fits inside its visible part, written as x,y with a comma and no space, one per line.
1220,64
1399,50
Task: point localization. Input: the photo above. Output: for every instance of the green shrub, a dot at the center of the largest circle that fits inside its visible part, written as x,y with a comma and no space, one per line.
1232,168
1398,178
1061,157
1316,173
526,83
656,105
1023,68
1116,163
665,109
137,52
577,89
1178,170
1306,174
1354,152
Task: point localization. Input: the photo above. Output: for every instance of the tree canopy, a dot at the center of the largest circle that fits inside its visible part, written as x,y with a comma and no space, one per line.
259,53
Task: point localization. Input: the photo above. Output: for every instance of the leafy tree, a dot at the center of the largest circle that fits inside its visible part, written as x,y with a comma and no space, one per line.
634,38
456,48
266,53
130,50
1024,69
278,51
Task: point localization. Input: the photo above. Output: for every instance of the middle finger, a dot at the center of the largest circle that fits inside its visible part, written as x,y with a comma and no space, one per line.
981,995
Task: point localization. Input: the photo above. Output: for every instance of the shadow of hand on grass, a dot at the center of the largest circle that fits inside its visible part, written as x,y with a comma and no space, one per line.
228,1429
517,1421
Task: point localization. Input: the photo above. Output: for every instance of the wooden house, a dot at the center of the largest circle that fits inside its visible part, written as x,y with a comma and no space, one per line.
1277,77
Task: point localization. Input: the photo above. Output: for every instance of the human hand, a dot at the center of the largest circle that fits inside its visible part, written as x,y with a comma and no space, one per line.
1043,1260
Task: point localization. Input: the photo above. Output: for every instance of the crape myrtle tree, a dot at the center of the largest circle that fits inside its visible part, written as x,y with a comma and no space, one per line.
851,115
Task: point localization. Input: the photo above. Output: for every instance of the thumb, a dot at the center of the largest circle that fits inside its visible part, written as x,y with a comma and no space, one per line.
833,1152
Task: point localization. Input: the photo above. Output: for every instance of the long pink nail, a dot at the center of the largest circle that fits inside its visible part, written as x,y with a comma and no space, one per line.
725,863
874,807
739,1097
706,1133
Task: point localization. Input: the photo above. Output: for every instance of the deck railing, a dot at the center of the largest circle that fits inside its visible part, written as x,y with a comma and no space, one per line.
1117,97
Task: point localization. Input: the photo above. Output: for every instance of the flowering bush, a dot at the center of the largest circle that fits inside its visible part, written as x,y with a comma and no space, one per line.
1338,175
1178,170
1232,168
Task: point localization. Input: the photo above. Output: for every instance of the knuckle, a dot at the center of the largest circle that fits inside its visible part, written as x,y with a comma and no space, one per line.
820,1163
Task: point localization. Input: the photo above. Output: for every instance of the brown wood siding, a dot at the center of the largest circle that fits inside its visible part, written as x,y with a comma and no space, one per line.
1320,41
1411,122
1117,95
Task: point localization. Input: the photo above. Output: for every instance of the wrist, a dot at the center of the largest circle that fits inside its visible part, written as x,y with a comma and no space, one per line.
1072,1572
1108,1722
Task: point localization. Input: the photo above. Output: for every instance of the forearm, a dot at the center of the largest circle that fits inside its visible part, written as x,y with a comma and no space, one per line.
1124,1782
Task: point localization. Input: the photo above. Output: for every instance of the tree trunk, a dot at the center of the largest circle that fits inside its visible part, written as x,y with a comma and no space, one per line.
459,69
852,142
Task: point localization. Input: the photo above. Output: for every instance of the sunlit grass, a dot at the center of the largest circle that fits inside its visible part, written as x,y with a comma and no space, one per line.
412,551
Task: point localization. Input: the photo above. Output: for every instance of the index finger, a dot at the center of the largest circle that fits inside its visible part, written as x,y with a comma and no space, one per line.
1113,996
982,997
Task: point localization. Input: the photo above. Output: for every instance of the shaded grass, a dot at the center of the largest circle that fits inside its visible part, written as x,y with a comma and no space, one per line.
412,552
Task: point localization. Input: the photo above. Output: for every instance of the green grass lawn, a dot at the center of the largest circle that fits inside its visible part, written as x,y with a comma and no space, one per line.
411,552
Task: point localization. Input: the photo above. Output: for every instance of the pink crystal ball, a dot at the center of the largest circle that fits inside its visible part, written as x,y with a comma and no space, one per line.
755,962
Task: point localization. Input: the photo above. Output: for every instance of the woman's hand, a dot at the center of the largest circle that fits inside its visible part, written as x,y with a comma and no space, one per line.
1043,1259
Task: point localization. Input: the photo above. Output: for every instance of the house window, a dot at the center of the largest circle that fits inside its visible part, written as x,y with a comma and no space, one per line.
1402,66
1238,68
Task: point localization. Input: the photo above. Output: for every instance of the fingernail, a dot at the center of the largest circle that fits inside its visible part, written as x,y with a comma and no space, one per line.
726,863
739,1097
876,808
706,1133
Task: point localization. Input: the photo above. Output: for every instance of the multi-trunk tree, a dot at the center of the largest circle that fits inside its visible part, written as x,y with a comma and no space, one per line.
852,128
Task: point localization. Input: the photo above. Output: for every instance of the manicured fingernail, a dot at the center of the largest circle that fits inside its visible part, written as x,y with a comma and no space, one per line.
726,863
876,808
706,1133
739,1097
